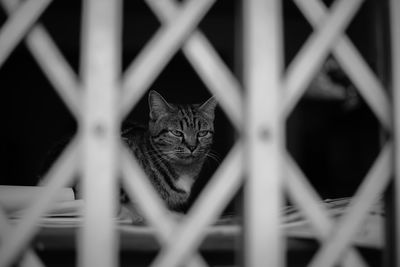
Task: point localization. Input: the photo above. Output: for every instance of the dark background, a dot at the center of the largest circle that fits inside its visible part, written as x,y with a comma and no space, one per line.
334,145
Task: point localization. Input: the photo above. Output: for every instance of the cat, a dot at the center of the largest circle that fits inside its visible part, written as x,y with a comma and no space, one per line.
173,147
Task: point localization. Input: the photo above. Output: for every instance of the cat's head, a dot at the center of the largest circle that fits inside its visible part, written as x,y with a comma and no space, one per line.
183,133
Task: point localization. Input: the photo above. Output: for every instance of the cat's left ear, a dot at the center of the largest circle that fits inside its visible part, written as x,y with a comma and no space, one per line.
208,107
158,105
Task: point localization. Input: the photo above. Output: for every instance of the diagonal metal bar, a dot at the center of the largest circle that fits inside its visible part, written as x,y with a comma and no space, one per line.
314,51
188,235
395,67
58,177
353,64
368,193
156,54
30,259
140,190
17,25
304,195
208,64
58,71
52,62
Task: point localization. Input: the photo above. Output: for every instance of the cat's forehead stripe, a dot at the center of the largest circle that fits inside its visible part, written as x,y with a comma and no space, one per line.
181,110
189,117
195,122
187,121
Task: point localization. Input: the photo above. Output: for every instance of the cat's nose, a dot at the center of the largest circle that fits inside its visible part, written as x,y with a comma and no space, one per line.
192,147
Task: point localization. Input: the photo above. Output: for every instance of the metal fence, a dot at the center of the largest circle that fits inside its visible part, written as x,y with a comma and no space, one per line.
103,96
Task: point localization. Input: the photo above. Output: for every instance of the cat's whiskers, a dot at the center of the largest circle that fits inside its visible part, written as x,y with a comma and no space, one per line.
213,157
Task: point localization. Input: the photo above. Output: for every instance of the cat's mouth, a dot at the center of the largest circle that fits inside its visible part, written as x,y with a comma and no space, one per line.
187,158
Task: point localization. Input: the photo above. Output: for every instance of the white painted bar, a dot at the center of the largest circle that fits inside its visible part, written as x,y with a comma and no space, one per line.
395,55
53,64
17,25
99,130
304,195
160,49
58,177
263,54
29,257
353,64
367,194
208,64
56,68
315,50
31,260
215,196
142,193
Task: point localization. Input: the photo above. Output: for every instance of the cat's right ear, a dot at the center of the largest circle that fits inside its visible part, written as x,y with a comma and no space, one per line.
158,105
208,107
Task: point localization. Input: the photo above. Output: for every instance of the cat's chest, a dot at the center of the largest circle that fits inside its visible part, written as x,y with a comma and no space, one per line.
185,182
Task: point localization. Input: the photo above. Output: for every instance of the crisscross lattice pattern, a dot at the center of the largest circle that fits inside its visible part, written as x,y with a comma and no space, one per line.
259,117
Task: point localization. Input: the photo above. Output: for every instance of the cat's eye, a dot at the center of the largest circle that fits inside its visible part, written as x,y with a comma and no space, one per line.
202,133
176,133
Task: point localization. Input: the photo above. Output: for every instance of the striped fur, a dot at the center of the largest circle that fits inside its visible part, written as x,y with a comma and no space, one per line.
174,146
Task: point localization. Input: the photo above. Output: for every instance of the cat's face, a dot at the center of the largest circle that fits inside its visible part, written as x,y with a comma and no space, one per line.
182,133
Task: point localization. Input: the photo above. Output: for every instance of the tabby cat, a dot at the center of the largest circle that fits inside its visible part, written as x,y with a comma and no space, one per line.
174,146
171,149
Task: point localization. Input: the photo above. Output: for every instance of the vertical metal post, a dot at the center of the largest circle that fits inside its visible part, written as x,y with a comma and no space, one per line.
99,126
381,43
395,56
264,132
